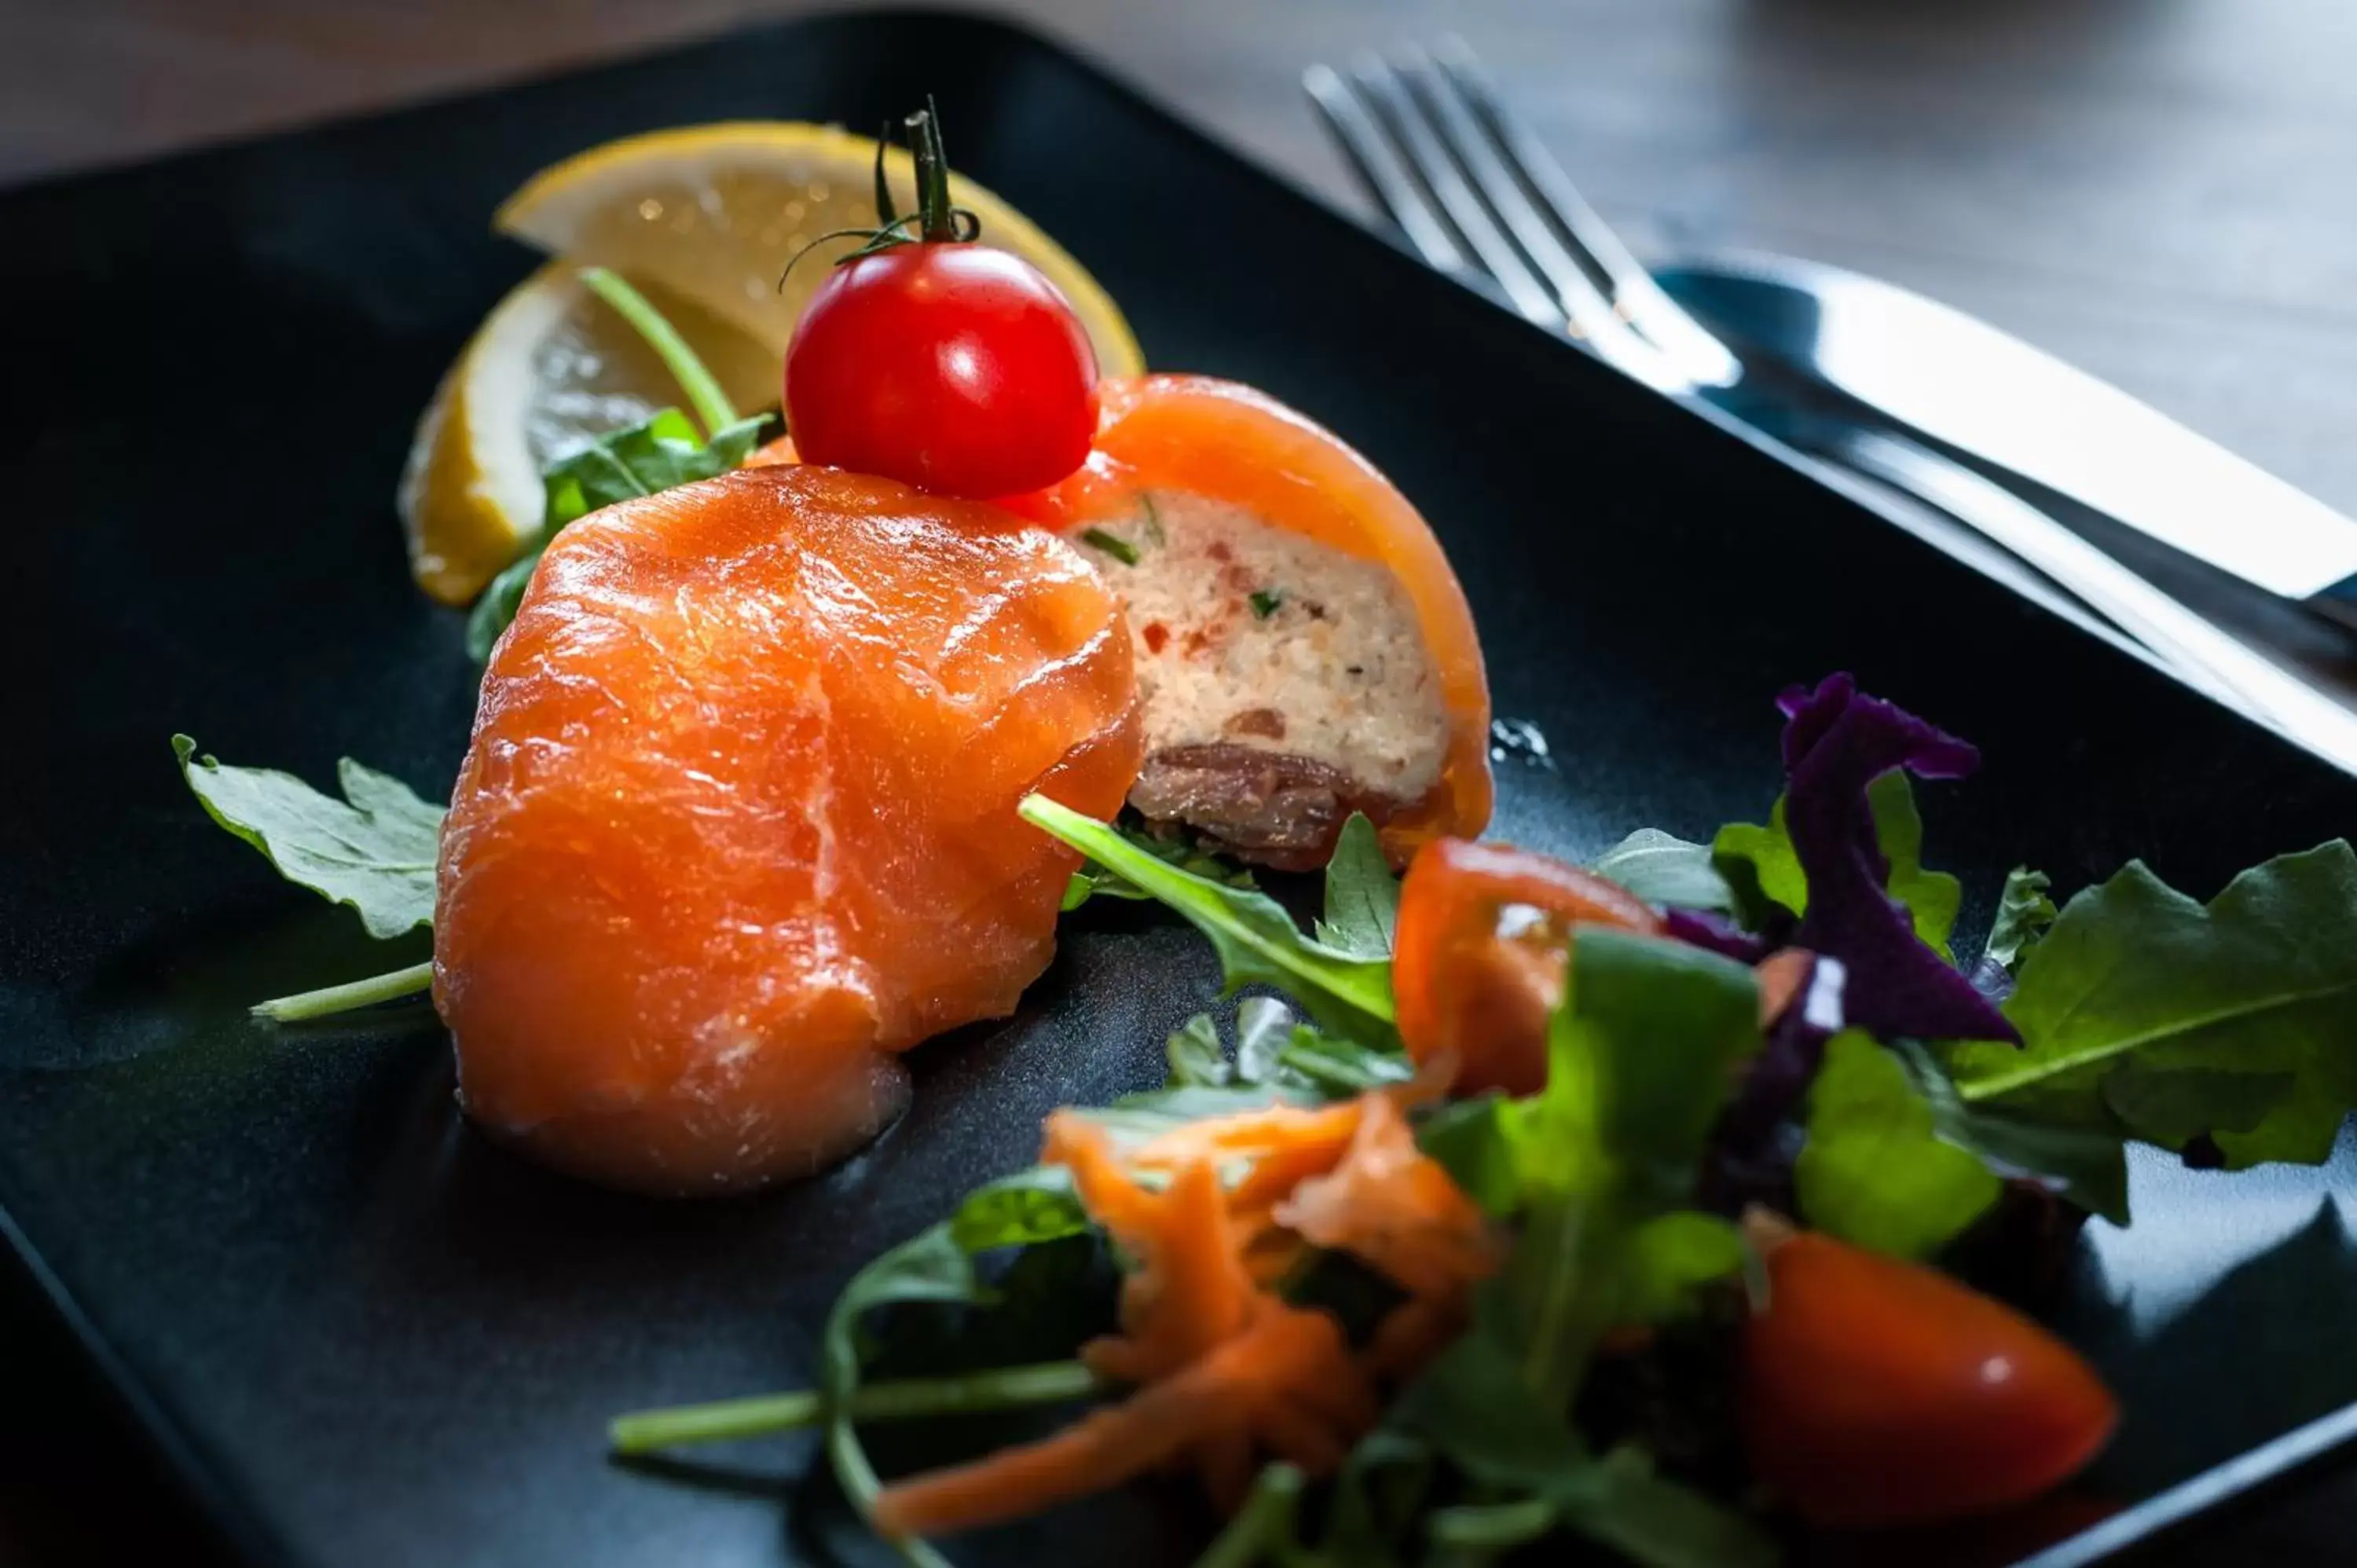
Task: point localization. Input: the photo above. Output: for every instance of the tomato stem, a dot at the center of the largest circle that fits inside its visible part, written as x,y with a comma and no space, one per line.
936,219
939,220
886,213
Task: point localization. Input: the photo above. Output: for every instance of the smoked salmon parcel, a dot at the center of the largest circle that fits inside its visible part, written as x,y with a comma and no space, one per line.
1304,650
738,822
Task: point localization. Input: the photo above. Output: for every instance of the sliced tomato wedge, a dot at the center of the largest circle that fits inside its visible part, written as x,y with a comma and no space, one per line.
1484,932
1877,1392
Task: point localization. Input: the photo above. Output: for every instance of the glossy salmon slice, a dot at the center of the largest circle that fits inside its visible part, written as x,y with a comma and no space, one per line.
738,822
1303,647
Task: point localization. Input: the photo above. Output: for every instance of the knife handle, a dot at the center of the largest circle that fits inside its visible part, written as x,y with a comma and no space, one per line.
2195,648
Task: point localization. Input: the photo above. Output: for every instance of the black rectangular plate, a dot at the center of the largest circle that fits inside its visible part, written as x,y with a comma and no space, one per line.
375,1340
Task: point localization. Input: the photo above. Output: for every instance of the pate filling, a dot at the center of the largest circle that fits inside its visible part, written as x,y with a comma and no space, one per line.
1249,635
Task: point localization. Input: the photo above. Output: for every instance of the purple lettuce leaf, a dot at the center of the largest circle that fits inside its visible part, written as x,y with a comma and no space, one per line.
1837,741
1709,930
1753,1146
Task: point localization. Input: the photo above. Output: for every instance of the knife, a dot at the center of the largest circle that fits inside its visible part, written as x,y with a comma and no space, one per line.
1992,400
1991,528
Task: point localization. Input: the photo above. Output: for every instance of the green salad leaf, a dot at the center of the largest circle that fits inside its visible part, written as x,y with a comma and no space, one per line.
1763,873
1931,897
1895,1159
1311,1064
1264,1028
1598,1168
1657,1523
1134,1118
936,1265
1029,1207
2024,911
2087,1165
1673,1256
1473,1407
1640,1053
2149,1013
1094,880
1256,940
1197,1058
1277,1056
658,454
1875,1169
1762,870
374,850
1469,1140
1361,893
1663,868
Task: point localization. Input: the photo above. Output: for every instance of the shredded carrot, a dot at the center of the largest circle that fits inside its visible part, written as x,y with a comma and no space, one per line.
1106,1189
1285,1354
1189,1292
1410,1335
1190,1289
1250,1134
1224,1369
1227,1465
1297,1131
1782,974
1389,1203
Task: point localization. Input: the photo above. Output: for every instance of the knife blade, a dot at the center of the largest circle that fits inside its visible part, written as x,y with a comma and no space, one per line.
1991,398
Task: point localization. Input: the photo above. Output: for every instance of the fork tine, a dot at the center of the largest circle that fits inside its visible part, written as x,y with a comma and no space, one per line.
1634,294
1370,155
1590,312
1398,113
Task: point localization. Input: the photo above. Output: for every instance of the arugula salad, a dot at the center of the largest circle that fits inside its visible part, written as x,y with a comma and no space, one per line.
1687,1291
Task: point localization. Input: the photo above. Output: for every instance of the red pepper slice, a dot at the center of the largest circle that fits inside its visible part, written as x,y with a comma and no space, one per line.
1484,932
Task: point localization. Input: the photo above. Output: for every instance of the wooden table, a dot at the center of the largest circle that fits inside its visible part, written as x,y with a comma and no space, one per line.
2162,190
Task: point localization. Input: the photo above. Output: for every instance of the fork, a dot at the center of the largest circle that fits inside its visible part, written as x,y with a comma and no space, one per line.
1479,198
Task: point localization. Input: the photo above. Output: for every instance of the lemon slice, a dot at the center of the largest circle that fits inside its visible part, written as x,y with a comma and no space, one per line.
714,214
551,368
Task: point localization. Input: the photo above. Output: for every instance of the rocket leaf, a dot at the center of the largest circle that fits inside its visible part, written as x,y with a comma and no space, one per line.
1875,1170
1361,894
1256,940
2140,1005
374,850
1663,868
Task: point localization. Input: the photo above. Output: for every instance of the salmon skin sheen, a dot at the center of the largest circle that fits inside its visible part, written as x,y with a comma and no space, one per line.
737,823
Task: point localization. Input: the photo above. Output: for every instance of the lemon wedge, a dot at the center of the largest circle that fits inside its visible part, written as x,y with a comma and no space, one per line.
714,214
703,221
552,367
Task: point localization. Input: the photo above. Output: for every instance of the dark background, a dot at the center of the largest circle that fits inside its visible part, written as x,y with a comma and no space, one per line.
2161,189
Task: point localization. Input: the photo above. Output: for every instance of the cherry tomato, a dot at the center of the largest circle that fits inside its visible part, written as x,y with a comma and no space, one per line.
949,366
1484,931
1879,1392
